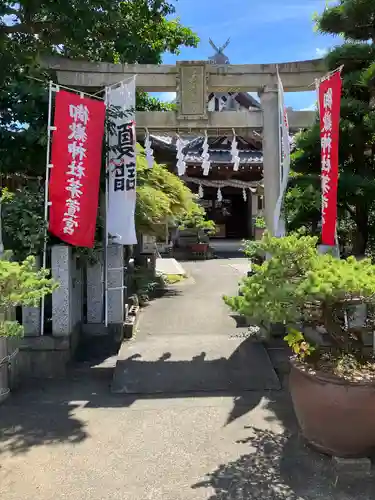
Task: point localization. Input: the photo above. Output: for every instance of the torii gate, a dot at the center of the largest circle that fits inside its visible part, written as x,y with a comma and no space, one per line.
193,81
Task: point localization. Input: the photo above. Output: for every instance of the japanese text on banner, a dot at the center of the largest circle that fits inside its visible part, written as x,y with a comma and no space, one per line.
329,108
76,160
122,173
80,116
124,165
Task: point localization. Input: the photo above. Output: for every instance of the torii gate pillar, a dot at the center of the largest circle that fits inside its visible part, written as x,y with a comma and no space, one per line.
271,153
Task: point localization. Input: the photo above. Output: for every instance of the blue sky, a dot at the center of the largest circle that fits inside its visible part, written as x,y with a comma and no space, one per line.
263,31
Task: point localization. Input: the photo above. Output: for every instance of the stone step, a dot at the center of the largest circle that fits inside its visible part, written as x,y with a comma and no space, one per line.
179,364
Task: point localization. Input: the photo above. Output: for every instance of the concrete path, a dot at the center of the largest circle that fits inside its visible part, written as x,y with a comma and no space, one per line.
73,440
195,307
188,341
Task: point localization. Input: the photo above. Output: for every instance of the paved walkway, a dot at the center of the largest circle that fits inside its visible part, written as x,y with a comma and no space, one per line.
188,341
74,440
195,307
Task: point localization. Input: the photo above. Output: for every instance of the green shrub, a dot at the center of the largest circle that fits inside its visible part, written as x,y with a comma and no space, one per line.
299,285
20,284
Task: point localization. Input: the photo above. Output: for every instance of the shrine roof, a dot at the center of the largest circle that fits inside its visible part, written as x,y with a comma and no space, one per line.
250,151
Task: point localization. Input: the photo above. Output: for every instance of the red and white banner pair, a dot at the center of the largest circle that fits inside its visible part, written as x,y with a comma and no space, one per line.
76,158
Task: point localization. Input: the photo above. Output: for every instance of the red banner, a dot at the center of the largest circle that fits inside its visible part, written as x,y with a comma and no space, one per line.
75,168
329,109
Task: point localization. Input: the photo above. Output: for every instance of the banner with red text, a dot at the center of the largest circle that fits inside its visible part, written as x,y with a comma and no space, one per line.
75,168
329,94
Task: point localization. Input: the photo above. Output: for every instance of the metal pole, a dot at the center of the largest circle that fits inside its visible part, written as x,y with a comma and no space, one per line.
105,217
277,208
46,185
1,231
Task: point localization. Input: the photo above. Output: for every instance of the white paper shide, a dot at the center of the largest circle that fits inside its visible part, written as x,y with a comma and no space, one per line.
122,174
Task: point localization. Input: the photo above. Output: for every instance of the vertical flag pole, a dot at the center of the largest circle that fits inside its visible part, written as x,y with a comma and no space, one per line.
106,215
279,103
278,226
46,196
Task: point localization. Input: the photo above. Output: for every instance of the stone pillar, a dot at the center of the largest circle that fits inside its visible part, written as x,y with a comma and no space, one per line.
31,319
271,153
62,303
254,205
249,206
254,211
77,291
4,378
95,292
115,266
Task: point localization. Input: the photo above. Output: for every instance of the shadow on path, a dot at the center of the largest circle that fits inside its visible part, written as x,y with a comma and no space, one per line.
25,426
280,466
181,365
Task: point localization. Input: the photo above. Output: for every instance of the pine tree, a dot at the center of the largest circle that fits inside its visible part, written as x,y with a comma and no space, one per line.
354,20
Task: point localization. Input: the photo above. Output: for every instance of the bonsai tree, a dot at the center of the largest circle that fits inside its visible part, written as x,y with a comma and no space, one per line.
195,218
297,285
260,223
260,227
20,284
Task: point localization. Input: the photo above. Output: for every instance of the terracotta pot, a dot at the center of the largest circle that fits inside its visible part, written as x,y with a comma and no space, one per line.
336,417
259,231
199,247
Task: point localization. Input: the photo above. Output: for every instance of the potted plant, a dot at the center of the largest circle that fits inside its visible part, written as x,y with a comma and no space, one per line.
20,284
194,221
332,389
260,227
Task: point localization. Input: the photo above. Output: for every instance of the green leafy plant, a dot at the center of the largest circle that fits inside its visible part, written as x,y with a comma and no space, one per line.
20,284
171,279
145,282
296,341
260,223
161,196
297,285
23,220
194,217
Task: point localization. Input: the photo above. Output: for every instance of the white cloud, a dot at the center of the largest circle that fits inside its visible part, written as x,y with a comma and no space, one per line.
167,96
312,107
321,52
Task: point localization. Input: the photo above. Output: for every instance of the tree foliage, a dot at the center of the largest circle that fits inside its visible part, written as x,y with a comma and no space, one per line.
356,193
195,218
126,31
123,31
298,284
163,197
23,221
20,284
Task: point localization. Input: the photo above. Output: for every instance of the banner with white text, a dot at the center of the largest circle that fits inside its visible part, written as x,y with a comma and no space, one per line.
75,168
122,174
329,93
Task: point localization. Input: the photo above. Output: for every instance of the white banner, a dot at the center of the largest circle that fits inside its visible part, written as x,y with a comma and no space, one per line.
279,223
122,174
